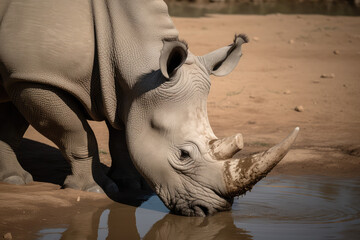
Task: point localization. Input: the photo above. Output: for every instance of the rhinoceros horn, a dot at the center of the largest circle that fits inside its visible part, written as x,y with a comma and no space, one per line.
241,174
226,148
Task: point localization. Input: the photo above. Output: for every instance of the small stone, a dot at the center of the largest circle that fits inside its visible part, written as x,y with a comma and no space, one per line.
344,85
256,39
287,92
316,81
299,108
251,122
7,236
251,96
291,41
78,199
336,52
331,75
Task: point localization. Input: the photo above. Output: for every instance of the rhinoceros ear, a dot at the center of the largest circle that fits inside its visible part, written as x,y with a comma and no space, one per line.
222,61
173,56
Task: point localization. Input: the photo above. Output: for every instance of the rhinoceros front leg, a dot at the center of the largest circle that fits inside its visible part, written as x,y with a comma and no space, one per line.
12,128
60,118
122,170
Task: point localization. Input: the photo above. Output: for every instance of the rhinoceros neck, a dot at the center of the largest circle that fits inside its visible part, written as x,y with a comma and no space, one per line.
129,36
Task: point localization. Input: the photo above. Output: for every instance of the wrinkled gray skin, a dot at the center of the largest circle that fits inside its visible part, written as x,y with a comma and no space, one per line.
64,62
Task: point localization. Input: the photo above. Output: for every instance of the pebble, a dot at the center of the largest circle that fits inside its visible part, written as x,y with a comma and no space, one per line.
256,39
299,108
331,75
7,236
78,199
336,52
291,41
287,92
316,81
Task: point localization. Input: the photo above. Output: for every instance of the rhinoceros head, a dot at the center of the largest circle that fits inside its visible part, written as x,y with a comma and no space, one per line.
172,144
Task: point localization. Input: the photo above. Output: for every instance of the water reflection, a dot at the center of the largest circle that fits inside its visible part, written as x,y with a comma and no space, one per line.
219,226
277,208
117,221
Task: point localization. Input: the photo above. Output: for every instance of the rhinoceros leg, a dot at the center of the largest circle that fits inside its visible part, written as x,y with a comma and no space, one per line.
123,171
12,128
60,118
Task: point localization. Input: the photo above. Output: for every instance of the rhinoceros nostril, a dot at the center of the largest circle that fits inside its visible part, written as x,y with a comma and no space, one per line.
204,209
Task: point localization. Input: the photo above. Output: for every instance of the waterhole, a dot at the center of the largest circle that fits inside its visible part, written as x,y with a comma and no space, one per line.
280,207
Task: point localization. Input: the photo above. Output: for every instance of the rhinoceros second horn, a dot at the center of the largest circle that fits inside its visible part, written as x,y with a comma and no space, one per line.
226,148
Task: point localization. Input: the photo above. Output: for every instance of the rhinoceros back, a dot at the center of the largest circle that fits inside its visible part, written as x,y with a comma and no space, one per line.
49,42
78,46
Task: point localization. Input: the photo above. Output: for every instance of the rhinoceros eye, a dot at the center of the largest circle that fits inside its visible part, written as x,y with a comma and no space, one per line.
182,160
184,155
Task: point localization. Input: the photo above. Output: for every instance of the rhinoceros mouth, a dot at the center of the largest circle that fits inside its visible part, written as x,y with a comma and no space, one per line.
202,208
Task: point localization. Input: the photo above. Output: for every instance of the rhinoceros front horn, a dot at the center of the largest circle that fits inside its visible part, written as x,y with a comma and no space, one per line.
241,174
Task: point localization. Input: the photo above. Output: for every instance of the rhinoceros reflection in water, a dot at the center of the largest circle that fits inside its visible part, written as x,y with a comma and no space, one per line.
85,225
65,62
219,226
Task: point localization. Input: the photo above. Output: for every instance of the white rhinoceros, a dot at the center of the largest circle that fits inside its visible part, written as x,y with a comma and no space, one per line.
65,62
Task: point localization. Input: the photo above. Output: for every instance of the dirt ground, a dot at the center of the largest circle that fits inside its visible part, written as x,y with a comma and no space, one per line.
291,61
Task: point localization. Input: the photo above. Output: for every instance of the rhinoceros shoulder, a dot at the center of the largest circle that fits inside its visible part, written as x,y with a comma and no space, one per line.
48,38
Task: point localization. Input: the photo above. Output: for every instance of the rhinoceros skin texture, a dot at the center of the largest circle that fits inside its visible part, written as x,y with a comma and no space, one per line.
63,63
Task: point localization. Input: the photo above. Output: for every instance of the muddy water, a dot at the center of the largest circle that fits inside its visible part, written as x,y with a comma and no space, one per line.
281,207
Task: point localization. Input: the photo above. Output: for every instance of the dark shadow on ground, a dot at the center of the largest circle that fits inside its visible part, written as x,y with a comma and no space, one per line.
46,164
43,162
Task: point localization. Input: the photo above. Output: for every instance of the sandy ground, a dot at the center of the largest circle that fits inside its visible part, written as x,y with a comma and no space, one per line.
281,69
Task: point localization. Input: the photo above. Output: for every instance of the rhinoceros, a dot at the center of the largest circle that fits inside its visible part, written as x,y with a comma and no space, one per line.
65,62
